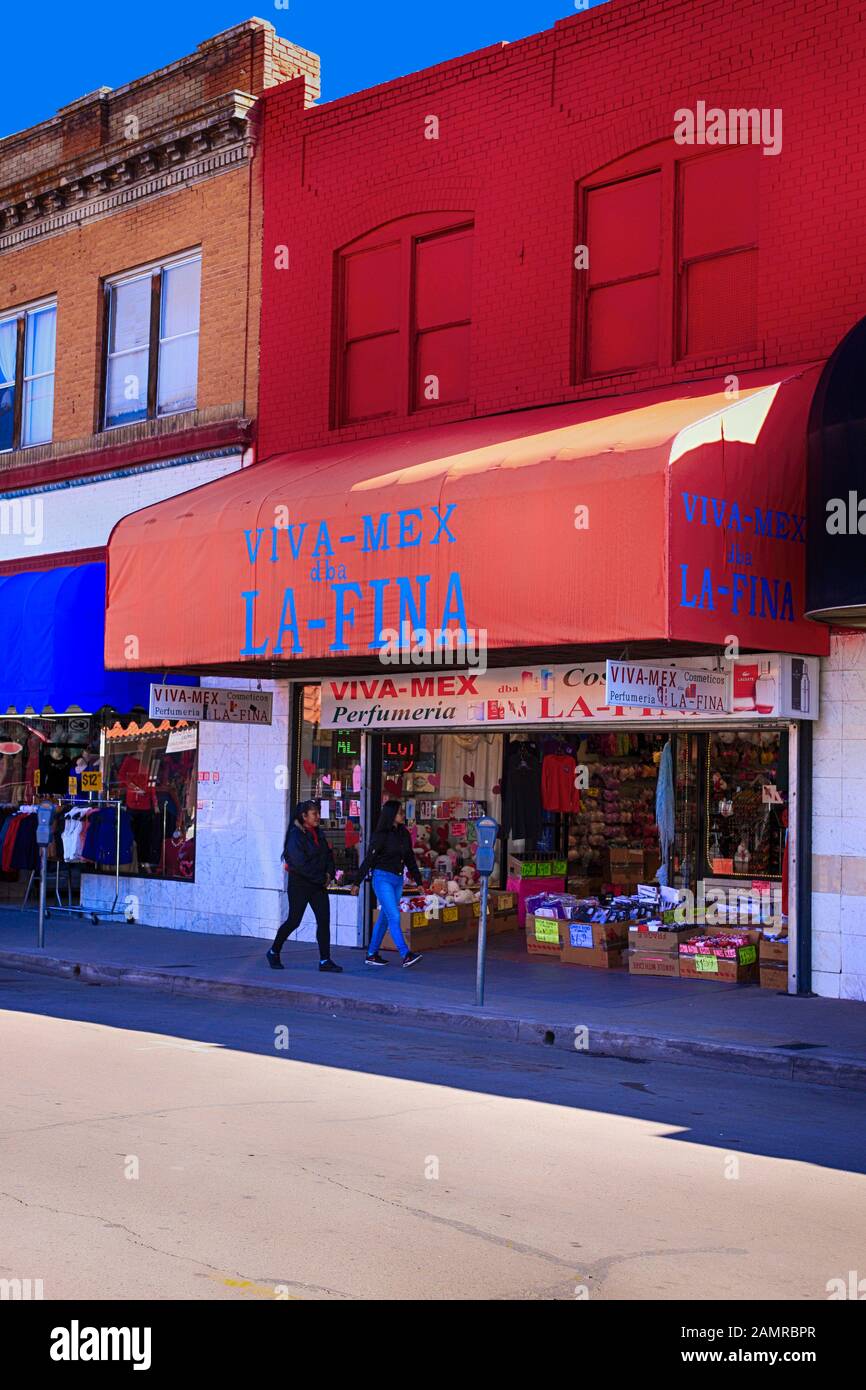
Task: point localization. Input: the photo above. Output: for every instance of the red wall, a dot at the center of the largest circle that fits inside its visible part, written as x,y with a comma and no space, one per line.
520,126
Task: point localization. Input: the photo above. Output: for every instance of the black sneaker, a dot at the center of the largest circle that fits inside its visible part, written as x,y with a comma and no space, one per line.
374,960
411,959
330,967
273,959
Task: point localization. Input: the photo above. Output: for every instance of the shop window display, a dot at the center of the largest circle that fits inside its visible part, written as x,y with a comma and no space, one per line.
328,763
445,781
746,795
152,770
617,809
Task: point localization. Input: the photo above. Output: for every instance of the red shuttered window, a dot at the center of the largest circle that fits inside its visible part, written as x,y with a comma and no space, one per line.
405,319
623,234
718,251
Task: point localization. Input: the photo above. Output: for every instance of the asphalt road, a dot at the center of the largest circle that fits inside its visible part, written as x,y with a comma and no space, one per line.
157,1148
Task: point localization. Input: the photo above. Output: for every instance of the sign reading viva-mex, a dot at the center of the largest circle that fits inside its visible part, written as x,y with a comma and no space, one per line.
537,695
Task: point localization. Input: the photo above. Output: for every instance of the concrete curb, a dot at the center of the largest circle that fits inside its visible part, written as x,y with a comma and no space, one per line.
848,1073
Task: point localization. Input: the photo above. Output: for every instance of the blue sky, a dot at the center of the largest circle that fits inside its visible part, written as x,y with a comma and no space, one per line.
94,43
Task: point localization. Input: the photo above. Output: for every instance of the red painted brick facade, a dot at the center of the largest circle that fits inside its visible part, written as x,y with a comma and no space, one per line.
520,126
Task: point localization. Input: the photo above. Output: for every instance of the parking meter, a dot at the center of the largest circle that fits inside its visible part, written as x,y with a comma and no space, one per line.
44,825
44,822
485,854
487,830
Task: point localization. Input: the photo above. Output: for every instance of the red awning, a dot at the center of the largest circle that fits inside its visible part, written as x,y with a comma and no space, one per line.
673,515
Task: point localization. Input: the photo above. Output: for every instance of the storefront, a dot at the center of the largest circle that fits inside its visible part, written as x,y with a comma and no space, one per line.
77,735
665,528
572,779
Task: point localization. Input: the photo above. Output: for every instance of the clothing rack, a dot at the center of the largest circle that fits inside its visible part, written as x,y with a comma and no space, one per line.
67,803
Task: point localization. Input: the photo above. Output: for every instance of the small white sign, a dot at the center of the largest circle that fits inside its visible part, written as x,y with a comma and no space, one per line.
580,934
181,739
212,704
689,689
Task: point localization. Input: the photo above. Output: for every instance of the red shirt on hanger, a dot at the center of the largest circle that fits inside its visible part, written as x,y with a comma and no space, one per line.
558,792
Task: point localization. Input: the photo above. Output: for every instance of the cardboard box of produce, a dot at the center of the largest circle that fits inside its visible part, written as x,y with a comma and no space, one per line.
662,963
773,976
599,945
544,936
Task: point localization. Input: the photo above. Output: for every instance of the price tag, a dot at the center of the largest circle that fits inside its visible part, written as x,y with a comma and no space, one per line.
580,935
747,955
546,931
706,965
419,919
91,781
73,786
476,909
449,914
37,778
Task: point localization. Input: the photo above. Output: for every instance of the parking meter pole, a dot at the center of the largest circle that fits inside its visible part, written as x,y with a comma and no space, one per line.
487,830
43,875
44,825
482,943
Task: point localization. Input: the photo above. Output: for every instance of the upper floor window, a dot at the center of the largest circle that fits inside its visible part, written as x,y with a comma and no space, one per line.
718,270
672,259
27,342
151,341
624,232
405,314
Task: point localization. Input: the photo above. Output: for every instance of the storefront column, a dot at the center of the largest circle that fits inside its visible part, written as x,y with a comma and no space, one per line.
800,859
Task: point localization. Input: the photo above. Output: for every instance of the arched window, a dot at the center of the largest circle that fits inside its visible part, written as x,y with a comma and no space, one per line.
404,317
672,241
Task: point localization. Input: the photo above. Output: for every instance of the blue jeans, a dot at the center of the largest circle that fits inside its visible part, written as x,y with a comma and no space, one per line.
387,888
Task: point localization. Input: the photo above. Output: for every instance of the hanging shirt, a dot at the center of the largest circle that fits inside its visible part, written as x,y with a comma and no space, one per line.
558,792
140,796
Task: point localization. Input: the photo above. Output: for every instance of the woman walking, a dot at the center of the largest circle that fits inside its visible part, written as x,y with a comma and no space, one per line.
390,849
310,863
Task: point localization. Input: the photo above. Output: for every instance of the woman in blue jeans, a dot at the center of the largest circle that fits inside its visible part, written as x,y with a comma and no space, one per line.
389,852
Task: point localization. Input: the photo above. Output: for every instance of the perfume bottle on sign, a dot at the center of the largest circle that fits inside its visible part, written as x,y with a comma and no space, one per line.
765,689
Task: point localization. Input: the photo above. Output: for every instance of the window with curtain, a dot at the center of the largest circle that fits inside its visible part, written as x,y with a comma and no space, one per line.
152,333
27,351
405,318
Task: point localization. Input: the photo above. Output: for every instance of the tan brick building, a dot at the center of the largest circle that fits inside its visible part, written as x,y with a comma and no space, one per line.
160,171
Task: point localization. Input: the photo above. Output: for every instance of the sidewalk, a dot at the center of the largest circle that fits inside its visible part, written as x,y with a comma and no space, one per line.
741,1028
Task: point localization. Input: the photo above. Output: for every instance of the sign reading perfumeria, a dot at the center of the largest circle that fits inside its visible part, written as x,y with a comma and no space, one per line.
211,704
765,687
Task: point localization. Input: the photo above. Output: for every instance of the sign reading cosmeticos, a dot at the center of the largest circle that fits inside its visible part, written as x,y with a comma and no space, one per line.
696,689
212,704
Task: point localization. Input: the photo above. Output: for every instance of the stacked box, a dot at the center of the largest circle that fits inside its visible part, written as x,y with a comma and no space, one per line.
773,965
740,966
657,953
599,945
544,936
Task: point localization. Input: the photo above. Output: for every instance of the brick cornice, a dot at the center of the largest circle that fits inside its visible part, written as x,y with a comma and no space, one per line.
218,137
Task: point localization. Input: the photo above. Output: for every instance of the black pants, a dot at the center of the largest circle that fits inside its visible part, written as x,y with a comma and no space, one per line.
301,894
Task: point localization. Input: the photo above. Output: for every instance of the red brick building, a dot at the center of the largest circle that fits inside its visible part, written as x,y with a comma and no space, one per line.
585,281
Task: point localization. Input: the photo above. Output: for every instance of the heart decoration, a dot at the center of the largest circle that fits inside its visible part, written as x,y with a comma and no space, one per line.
469,779
497,789
326,779
309,768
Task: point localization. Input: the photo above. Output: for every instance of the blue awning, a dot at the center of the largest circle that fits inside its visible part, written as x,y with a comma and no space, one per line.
52,634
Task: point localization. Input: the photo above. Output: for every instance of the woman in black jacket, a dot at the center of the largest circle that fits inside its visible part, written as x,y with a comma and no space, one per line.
390,849
309,860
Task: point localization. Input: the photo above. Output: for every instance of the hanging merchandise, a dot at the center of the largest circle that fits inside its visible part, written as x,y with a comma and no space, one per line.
665,809
521,800
558,783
